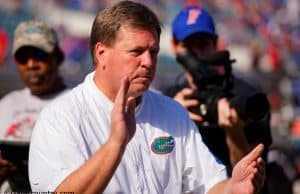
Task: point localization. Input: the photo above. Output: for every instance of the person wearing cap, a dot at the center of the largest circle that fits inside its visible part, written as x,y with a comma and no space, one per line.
193,31
38,57
122,138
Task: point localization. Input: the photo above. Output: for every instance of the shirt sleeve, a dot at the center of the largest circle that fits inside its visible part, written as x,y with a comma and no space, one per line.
54,153
6,109
202,170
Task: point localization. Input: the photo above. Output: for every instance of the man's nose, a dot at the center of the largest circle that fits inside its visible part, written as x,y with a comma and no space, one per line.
32,64
148,60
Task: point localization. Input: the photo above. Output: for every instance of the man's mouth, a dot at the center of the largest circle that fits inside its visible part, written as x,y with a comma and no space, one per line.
34,79
144,77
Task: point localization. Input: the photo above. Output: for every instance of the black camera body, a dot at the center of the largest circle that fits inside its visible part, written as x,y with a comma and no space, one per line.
214,80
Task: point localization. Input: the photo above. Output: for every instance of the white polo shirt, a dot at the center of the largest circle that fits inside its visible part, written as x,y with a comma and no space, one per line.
166,154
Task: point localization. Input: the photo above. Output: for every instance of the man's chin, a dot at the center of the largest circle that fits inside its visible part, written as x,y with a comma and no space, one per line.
138,90
37,90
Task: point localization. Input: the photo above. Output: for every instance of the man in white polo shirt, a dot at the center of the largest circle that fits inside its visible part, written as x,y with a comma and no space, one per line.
111,135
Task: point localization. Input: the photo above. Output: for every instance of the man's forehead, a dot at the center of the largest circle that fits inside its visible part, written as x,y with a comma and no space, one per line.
134,28
127,32
200,37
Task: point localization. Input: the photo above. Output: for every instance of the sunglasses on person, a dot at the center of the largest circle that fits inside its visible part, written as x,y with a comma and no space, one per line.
26,53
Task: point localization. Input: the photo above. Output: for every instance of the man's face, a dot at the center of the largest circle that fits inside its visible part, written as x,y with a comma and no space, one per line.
201,45
38,69
134,54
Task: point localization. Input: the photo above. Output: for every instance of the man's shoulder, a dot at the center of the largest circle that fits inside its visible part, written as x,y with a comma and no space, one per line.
159,97
172,89
67,102
164,102
14,96
166,113
18,92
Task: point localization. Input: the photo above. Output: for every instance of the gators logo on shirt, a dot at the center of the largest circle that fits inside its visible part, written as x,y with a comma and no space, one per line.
163,145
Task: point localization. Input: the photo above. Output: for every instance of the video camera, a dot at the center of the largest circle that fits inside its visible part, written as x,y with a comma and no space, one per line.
214,80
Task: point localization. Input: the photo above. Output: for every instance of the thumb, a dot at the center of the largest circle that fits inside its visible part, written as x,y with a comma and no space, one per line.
120,100
255,153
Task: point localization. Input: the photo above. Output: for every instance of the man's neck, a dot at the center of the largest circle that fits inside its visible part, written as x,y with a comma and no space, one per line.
57,87
109,93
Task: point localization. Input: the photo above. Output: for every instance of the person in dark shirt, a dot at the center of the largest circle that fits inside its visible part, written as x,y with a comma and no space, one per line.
194,31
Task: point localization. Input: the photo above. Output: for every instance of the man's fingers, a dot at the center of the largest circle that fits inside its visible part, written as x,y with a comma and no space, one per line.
4,163
190,103
261,166
255,153
120,101
223,113
131,104
259,179
261,170
186,92
233,116
195,117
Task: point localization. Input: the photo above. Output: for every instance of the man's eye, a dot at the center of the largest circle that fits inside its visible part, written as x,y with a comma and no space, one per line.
154,52
136,52
40,55
21,57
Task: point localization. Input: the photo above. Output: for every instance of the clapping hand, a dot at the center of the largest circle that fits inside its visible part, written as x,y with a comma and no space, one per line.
249,173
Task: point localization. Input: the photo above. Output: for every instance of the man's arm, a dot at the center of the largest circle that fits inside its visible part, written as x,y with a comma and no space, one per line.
247,177
94,175
236,141
238,147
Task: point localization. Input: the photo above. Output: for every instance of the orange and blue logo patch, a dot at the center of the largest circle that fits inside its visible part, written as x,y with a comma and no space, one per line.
193,16
163,145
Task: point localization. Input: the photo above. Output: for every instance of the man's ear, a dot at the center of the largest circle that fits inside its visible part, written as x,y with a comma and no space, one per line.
57,56
100,49
178,47
99,54
60,56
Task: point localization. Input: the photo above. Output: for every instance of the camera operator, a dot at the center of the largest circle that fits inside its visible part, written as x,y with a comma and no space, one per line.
231,138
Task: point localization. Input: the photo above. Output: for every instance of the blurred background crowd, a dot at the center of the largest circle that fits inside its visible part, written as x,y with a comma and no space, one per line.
263,36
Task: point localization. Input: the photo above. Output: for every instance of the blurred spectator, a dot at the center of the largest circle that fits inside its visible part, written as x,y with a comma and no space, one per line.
227,133
38,57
